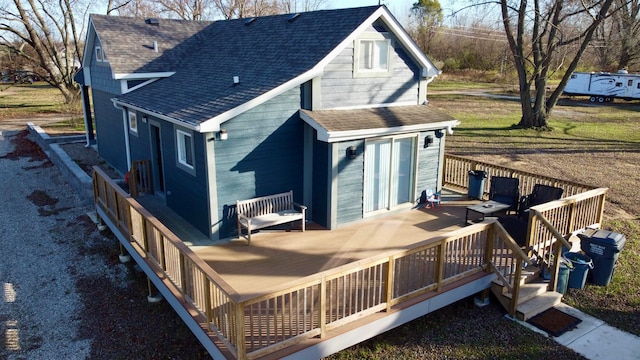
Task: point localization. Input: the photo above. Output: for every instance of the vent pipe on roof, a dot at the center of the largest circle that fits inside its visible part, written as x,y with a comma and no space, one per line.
293,17
155,46
152,21
236,80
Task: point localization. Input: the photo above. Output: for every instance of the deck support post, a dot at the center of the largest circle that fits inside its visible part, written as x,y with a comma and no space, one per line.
483,298
151,298
124,257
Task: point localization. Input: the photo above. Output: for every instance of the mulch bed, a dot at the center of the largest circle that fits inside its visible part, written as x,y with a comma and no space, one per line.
554,322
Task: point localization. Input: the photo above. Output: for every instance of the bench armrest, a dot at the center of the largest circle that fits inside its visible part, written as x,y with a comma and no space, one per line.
302,207
248,219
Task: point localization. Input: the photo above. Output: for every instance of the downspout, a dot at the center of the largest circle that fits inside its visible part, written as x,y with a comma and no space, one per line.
126,132
422,87
88,121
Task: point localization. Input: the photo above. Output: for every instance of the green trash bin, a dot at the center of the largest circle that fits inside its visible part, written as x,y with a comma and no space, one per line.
476,184
581,264
563,278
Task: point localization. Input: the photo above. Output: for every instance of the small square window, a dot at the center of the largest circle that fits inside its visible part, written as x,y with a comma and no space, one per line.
99,55
630,83
374,55
133,122
185,149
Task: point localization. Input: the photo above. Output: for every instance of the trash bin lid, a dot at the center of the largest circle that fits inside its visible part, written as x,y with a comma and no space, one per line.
606,238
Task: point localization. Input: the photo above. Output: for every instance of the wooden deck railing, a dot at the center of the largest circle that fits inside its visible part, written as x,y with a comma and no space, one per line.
316,305
456,175
256,326
549,225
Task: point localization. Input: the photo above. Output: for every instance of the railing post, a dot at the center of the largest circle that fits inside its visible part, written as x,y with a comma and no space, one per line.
323,308
440,265
391,268
557,253
515,292
241,348
601,208
207,299
489,247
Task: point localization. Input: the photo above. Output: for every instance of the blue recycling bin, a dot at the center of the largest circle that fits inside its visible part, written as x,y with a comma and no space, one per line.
563,278
603,247
581,264
476,184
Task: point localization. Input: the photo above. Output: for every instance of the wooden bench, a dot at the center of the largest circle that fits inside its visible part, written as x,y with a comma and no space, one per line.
261,212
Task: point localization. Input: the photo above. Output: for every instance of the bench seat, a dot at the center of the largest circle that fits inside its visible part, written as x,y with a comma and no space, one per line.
266,211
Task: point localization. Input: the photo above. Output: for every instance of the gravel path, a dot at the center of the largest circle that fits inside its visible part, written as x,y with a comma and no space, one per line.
65,293
39,295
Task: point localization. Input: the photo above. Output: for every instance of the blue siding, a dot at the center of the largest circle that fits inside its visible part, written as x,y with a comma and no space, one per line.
101,75
139,142
350,182
321,177
341,89
110,131
262,156
428,163
186,193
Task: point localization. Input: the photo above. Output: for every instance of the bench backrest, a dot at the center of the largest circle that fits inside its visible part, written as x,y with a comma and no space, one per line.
265,204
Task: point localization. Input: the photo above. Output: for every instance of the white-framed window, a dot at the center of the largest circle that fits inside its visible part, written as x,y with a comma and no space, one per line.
133,122
185,149
372,55
99,54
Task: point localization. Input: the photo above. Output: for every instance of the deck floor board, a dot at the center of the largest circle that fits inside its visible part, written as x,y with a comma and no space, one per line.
279,257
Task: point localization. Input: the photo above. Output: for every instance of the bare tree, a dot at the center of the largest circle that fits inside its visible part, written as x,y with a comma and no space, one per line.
627,28
538,33
50,30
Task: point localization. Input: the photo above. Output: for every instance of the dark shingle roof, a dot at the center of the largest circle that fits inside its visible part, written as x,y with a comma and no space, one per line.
128,42
264,53
377,118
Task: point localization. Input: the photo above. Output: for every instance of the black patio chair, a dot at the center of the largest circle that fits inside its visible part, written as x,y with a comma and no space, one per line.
541,194
505,190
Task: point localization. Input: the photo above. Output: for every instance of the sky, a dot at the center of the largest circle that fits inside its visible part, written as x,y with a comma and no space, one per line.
399,8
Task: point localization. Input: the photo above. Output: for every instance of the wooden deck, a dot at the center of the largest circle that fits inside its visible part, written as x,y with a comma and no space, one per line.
292,288
278,257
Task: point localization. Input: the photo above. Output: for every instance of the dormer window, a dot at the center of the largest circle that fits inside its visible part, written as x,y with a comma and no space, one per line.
372,55
99,55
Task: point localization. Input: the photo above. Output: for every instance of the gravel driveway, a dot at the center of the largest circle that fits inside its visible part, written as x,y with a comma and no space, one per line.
65,294
40,303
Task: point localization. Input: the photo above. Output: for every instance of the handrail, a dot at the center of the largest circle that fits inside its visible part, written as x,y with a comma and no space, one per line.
456,175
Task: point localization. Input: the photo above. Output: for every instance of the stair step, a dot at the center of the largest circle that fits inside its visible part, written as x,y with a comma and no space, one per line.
538,304
529,291
529,274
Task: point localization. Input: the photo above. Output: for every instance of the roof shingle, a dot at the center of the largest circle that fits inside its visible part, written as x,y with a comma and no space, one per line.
264,53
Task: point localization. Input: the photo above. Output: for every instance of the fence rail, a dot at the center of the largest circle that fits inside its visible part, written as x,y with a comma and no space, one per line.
456,175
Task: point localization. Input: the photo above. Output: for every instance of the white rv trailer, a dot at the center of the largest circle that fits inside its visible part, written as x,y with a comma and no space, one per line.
601,86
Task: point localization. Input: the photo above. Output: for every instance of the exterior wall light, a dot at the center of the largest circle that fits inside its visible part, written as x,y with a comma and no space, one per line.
352,152
428,140
223,134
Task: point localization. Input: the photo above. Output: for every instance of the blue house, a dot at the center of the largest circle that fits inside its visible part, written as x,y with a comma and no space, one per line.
331,104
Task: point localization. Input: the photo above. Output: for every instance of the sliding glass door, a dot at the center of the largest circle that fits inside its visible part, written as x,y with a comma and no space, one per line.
389,166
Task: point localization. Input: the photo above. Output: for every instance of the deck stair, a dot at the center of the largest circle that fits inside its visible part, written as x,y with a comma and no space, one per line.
534,296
